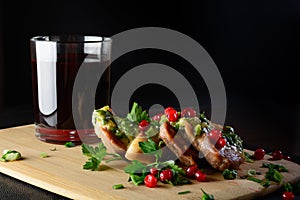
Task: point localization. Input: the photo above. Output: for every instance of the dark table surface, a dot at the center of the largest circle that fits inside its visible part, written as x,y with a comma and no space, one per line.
269,134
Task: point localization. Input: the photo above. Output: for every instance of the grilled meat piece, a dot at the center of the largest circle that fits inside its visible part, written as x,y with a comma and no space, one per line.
227,157
178,145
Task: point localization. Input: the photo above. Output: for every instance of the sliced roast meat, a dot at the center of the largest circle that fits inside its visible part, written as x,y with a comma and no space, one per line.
110,140
177,144
227,157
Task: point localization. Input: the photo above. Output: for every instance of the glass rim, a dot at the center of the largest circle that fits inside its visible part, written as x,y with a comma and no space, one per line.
57,38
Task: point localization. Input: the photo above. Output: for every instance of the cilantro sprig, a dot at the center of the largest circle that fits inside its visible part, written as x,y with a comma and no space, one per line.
96,155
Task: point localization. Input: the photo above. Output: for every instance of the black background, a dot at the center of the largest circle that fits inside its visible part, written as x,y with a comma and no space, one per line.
255,45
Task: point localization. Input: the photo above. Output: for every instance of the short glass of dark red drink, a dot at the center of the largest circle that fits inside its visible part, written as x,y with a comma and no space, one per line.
56,63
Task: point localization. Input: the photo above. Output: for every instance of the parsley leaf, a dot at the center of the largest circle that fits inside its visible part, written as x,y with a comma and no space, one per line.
135,167
96,156
151,147
137,114
136,179
137,172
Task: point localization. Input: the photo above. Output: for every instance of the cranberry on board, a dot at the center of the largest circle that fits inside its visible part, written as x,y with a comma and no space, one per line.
150,181
154,171
166,175
200,176
220,143
277,155
288,195
171,114
191,170
188,112
259,153
287,158
214,135
166,111
143,125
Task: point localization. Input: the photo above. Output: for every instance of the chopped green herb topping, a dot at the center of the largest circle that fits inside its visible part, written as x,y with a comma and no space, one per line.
184,192
206,196
229,174
279,168
118,186
10,155
44,155
248,157
69,144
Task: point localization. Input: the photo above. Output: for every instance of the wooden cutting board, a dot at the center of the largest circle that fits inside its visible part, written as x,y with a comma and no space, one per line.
62,173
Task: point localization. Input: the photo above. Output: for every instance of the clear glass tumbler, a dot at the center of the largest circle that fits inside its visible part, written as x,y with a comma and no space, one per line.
56,60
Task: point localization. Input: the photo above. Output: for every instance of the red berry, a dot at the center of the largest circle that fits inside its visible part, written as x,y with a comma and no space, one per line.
166,175
150,181
154,171
188,112
168,109
287,158
143,125
220,143
200,176
214,135
288,195
191,170
259,154
157,117
277,155
171,114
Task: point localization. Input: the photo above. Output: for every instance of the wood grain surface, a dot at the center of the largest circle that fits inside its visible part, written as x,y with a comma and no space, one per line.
62,173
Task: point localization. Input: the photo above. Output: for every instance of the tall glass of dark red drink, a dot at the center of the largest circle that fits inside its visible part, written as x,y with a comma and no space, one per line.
62,113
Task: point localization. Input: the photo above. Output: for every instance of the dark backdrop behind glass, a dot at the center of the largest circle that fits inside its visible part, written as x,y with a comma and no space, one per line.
255,45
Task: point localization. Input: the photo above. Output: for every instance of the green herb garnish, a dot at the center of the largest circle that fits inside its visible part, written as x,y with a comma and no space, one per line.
118,186
151,147
184,192
287,187
279,168
274,175
252,172
69,144
10,155
206,196
137,114
96,156
264,183
44,155
137,172
248,157
229,174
